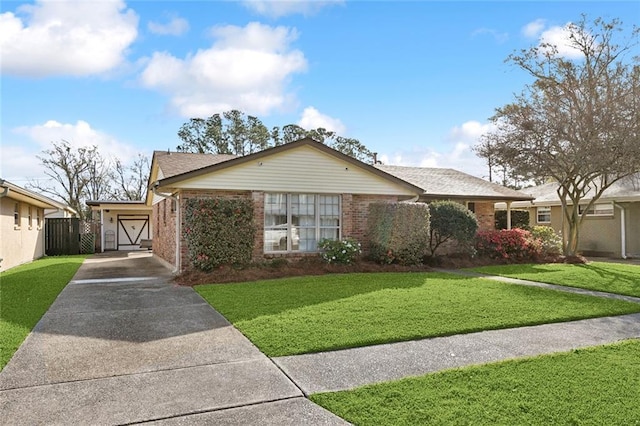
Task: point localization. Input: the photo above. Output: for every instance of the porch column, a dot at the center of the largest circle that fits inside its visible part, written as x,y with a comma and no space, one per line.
508,214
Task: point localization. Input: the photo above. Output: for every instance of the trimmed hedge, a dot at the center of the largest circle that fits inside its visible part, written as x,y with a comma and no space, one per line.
519,219
219,232
451,221
398,232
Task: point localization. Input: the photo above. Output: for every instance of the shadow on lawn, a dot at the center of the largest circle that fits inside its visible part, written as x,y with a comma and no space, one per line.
277,296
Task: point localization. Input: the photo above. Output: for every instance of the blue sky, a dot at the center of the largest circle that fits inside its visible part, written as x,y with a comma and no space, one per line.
414,81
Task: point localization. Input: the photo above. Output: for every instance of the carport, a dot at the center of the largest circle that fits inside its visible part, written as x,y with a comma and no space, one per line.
123,224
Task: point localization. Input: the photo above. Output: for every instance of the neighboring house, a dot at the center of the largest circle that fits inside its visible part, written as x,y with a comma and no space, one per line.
302,192
124,225
22,214
610,228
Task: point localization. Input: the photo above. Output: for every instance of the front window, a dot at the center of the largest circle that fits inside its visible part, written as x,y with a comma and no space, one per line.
544,215
597,210
30,217
39,218
296,222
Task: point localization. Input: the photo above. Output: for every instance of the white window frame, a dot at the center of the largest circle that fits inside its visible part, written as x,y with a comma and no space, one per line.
288,227
543,210
17,216
598,210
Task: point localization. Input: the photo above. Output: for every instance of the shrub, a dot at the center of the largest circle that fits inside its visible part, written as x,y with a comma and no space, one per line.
513,244
551,243
218,232
451,221
339,251
519,219
398,232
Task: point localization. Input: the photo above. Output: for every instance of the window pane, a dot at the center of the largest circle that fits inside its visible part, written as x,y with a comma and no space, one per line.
307,239
329,233
303,210
275,239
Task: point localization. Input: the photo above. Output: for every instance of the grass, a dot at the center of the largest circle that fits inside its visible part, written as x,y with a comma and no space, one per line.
594,386
314,314
26,292
601,276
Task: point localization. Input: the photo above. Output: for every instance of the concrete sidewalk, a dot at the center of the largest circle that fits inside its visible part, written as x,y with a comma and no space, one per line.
350,368
122,344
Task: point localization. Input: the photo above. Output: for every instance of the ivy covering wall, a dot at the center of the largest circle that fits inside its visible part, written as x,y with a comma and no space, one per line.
218,232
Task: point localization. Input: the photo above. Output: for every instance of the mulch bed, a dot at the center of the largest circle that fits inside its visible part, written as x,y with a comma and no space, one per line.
282,268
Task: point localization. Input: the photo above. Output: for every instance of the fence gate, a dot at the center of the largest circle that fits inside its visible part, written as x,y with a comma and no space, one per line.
69,236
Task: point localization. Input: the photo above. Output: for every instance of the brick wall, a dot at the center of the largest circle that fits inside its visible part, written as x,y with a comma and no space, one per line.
485,213
164,231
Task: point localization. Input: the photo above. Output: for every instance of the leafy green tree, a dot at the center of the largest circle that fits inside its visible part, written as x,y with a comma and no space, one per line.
450,221
233,132
578,122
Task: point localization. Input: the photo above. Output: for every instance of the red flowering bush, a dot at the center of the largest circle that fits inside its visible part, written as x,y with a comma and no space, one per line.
512,244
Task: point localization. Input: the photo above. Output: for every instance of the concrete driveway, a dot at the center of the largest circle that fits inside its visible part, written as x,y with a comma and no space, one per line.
121,344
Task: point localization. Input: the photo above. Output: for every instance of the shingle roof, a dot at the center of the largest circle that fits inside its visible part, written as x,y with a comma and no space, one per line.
176,163
627,189
452,183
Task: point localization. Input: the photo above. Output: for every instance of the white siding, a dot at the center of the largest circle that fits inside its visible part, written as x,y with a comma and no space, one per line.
155,199
304,169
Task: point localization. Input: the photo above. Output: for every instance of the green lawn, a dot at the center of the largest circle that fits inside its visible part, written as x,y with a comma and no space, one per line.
26,292
601,276
594,386
319,313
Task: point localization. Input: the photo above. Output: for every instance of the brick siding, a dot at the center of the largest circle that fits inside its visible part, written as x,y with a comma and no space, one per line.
485,213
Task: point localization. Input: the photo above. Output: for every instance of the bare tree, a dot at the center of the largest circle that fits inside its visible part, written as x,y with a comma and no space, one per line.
69,169
130,182
578,122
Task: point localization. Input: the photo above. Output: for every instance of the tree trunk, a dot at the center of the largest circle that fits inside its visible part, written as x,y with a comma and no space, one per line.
573,237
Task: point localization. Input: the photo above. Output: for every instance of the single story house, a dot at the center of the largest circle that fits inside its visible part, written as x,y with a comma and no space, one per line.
22,214
611,227
124,225
302,191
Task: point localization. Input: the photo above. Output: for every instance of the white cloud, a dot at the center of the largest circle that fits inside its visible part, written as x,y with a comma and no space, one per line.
313,119
533,28
499,37
176,26
246,68
80,134
76,38
559,37
455,153
278,8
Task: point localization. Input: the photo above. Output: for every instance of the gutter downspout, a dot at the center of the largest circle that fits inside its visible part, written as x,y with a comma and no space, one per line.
623,230
4,193
101,230
154,189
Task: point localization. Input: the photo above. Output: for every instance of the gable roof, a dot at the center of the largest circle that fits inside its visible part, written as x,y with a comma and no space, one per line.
437,183
220,162
19,193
